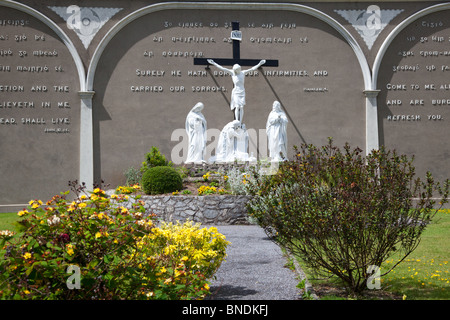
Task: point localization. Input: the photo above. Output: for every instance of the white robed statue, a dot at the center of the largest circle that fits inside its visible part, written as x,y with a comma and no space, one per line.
238,93
196,131
276,133
227,144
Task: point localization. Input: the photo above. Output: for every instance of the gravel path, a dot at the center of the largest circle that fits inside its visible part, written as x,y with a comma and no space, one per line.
254,268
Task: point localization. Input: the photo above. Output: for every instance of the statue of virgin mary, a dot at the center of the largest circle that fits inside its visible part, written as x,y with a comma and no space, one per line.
276,133
196,131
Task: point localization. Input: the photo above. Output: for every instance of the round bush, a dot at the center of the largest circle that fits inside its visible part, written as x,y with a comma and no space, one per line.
161,179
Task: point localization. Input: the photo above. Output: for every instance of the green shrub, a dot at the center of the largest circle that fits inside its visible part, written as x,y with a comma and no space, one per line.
154,158
161,179
133,176
342,213
117,252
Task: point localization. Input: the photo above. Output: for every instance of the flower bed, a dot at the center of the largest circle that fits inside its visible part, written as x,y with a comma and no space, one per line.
105,247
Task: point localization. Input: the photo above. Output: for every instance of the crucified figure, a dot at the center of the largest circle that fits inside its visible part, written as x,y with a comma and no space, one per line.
238,93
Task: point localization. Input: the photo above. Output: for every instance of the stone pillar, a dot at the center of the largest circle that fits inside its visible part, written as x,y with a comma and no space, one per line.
372,139
86,140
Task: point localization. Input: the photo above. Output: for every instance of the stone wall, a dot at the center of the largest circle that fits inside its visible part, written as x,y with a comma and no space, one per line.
210,209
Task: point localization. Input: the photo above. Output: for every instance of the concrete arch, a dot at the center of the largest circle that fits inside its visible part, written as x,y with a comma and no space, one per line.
228,6
371,129
59,32
85,170
390,38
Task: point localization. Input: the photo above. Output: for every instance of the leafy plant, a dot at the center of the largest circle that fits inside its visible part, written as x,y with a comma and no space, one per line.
154,158
133,176
128,189
119,252
162,179
341,212
205,190
236,179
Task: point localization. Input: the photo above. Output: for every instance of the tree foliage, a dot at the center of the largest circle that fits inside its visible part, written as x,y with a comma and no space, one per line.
342,212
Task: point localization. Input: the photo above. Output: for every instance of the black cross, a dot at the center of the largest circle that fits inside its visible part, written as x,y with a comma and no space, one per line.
236,56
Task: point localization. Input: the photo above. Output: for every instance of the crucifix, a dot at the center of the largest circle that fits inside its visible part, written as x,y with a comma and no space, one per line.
236,37
238,76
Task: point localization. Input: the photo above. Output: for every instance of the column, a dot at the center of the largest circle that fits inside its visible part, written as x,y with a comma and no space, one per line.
372,139
86,140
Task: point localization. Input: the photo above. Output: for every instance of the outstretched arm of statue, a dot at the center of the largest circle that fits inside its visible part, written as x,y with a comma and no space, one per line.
211,61
256,67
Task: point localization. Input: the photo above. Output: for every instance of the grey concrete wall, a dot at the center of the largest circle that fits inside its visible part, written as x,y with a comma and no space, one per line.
49,135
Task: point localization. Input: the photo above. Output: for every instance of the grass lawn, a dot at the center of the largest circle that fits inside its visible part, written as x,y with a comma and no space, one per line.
7,220
424,275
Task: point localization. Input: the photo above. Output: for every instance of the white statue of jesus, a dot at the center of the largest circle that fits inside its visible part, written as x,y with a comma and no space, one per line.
238,94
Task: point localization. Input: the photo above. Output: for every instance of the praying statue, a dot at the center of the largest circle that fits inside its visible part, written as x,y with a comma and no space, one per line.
227,144
276,133
238,93
196,131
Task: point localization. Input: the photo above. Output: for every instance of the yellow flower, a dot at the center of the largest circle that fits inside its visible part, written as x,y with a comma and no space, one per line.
83,197
22,213
98,235
69,248
82,205
27,256
177,273
35,203
72,206
26,292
